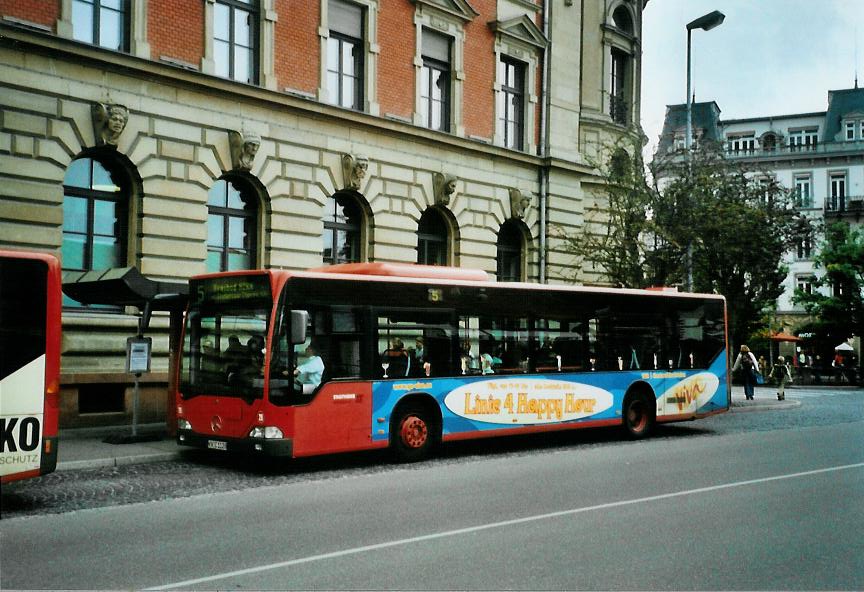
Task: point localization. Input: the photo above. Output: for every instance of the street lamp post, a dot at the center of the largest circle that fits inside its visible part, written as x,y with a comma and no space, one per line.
706,23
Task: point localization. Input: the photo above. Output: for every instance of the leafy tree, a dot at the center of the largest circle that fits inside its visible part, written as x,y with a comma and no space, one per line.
706,218
614,228
841,255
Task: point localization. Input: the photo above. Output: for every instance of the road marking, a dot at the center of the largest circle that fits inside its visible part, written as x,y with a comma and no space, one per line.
491,525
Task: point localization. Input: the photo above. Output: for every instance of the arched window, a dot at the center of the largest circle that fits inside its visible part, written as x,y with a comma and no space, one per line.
232,226
95,201
94,217
622,21
510,252
432,239
342,228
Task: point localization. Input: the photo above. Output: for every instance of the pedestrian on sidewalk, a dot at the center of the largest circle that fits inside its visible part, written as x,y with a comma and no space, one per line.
783,375
747,362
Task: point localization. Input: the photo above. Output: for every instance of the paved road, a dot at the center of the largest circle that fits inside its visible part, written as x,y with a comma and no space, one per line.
744,500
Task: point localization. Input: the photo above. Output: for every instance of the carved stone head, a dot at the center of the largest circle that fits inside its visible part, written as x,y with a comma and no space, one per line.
244,146
519,204
109,121
354,170
444,186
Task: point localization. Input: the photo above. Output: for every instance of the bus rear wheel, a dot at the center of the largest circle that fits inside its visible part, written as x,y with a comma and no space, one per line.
638,415
412,434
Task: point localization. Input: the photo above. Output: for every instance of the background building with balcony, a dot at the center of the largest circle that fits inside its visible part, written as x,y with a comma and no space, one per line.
819,155
203,135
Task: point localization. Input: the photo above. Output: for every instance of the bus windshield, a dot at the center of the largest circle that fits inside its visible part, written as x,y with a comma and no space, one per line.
224,341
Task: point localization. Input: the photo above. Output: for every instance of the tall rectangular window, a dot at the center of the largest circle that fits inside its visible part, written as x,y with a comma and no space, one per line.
435,81
838,192
805,247
803,139
235,40
101,22
850,130
511,102
345,55
618,96
803,193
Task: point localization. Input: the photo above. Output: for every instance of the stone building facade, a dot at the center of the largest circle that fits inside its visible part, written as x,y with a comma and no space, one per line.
197,135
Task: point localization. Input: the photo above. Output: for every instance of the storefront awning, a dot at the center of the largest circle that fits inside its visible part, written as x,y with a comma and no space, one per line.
784,337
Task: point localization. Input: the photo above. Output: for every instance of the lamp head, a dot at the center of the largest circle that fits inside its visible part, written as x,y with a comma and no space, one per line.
708,21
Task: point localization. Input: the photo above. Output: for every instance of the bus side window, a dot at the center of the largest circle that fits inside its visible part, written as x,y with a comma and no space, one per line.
505,341
416,343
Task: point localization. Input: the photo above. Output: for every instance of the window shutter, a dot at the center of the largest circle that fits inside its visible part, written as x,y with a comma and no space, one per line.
345,18
436,46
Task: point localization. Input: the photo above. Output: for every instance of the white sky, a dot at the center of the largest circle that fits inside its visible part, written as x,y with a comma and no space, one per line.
769,57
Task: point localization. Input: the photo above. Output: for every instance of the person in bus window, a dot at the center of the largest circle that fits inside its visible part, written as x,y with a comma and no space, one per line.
486,364
235,355
419,364
396,359
307,375
469,361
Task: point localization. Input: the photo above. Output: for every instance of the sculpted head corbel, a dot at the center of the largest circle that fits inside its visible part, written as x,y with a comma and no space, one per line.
244,146
444,187
519,204
354,169
109,121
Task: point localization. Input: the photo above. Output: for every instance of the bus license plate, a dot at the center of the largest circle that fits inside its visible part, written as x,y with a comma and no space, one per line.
217,445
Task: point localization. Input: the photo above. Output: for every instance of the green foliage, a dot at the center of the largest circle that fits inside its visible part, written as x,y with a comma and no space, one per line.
707,217
611,240
841,256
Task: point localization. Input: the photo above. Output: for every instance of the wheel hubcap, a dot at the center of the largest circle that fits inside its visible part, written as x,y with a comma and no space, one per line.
414,432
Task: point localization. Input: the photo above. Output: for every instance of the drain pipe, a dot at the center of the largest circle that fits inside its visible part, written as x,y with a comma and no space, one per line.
544,142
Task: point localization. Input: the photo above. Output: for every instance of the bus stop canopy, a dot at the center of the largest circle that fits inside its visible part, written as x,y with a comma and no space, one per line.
124,286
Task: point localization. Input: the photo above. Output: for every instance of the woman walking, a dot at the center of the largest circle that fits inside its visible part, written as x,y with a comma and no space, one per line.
747,361
782,375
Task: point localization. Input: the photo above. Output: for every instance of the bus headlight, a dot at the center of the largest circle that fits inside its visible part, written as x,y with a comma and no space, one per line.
183,424
266,432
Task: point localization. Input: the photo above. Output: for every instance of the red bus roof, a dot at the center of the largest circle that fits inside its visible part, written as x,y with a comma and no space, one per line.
435,272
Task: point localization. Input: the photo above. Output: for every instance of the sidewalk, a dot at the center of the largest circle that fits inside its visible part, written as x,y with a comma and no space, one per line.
764,399
87,448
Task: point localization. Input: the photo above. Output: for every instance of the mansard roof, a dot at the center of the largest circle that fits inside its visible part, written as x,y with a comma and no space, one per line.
842,103
705,116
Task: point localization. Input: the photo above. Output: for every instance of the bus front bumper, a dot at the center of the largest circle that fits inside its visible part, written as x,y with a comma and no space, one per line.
268,447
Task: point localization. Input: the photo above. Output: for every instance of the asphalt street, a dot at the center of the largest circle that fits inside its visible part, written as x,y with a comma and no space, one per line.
739,501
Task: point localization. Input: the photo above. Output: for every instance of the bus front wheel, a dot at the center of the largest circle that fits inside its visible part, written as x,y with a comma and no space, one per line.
412,434
638,415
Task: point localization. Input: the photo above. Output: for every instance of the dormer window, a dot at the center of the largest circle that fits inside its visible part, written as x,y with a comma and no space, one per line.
854,129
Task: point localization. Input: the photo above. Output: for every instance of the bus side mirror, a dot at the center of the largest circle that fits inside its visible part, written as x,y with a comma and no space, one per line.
299,320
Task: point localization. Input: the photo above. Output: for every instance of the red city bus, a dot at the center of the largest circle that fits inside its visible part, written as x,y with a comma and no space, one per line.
364,356
30,305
